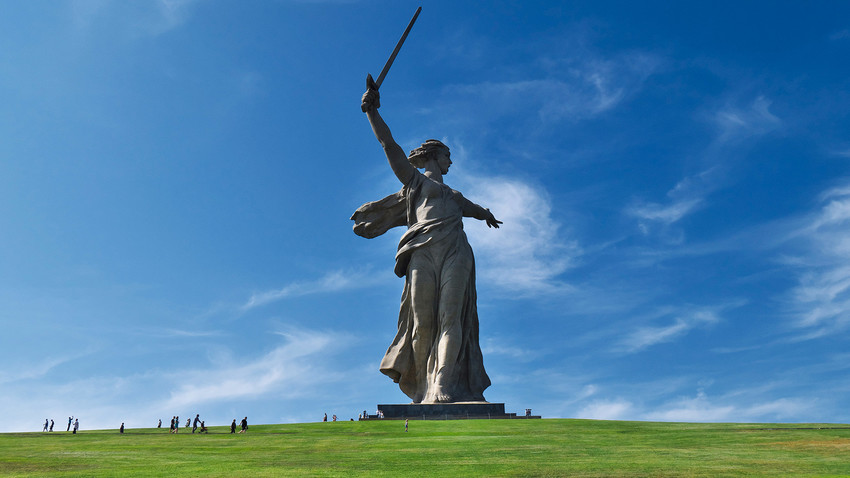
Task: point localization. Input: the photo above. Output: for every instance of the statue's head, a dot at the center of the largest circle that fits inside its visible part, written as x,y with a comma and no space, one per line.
429,150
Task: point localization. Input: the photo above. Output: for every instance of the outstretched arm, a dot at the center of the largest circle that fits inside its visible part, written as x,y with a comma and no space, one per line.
370,103
470,209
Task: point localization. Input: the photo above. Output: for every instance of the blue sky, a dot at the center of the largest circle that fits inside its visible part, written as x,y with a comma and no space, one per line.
177,177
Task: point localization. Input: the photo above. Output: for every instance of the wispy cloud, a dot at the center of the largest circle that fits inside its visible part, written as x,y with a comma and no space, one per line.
840,35
701,408
821,298
515,352
738,123
740,405
29,371
284,370
145,18
530,250
176,333
686,197
332,282
616,409
647,336
567,89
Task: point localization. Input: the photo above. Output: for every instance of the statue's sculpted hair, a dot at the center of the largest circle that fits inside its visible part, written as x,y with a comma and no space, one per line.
419,156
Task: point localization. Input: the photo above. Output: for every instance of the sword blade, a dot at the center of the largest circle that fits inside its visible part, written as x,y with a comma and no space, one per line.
397,48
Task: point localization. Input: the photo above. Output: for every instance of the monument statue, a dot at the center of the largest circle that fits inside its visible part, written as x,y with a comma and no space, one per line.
435,357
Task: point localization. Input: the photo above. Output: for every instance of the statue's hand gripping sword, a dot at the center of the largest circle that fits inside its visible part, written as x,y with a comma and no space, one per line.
373,84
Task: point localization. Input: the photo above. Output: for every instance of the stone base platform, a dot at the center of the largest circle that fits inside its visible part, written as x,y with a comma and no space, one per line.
445,411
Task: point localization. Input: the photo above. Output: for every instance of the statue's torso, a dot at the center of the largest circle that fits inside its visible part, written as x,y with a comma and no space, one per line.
435,201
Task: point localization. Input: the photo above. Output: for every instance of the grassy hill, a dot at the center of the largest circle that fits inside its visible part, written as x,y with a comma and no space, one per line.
440,448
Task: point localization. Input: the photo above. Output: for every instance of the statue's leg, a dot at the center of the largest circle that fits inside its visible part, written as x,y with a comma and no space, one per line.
423,289
454,284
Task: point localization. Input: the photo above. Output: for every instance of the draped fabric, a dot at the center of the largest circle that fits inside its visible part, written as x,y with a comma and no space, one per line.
435,356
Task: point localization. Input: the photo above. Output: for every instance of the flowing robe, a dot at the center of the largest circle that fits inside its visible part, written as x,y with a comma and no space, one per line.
435,356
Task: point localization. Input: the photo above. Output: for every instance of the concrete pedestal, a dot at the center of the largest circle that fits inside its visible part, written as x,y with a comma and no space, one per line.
445,411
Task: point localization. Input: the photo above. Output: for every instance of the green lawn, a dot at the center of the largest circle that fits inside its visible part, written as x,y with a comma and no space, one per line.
440,448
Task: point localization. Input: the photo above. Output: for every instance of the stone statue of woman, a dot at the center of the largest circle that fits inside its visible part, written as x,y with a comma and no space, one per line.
435,357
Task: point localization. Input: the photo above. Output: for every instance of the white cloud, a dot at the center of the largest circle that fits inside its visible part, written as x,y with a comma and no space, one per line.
754,120
334,281
821,298
299,369
519,354
701,408
146,18
15,372
284,371
685,197
529,251
666,214
840,35
644,337
572,88
618,409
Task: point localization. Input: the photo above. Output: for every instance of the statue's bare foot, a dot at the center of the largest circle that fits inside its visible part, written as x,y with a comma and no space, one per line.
443,398
439,397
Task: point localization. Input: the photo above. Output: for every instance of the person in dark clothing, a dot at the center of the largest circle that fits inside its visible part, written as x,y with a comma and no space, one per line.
195,425
121,430
70,419
244,425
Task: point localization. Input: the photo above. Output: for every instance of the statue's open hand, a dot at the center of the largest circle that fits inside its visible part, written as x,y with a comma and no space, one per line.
371,99
492,221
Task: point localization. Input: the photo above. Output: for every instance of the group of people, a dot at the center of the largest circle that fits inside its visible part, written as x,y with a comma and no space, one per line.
175,424
362,416
243,424
48,424
174,428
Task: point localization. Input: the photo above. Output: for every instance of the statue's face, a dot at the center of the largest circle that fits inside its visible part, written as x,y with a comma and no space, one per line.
444,160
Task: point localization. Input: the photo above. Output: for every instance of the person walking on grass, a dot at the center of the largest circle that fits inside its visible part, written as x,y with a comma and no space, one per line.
233,426
197,420
76,425
244,425
121,430
51,425
70,419
46,422
405,425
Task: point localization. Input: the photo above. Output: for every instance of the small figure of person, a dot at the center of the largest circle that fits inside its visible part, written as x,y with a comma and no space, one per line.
171,426
159,425
233,426
244,424
334,418
195,425
46,422
325,418
76,425
70,420
203,427
51,425
121,430
188,422
405,425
